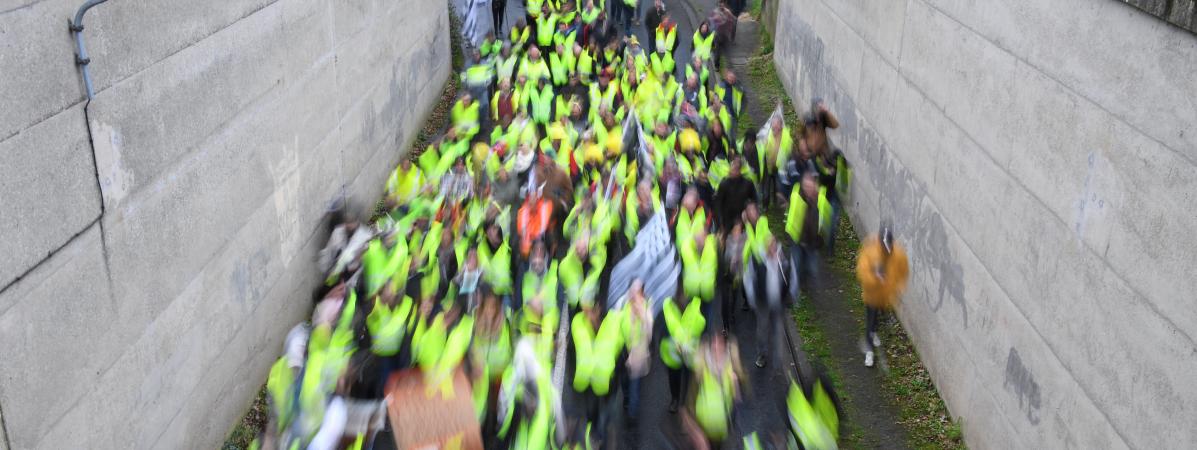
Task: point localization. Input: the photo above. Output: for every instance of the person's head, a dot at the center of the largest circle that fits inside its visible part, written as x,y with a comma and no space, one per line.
717,128
537,261
534,53
505,50
644,191
729,76
887,238
519,23
735,168
582,244
810,185
475,56
690,199
704,27
505,86
493,233
692,83
776,125
751,213
459,165
466,99
662,130
405,163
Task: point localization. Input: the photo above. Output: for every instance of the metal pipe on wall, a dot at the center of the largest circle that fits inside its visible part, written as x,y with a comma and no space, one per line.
81,58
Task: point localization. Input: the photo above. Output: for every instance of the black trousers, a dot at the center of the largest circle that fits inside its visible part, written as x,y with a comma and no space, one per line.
872,318
498,10
679,383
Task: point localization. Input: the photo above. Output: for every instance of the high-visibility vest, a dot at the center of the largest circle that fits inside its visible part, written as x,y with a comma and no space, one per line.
611,58
398,265
663,147
757,239
545,26
534,70
795,215
566,39
496,267
540,103
544,286
505,68
570,274
387,326
779,154
824,212
662,63
702,45
495,354
684,329
438,350
559,67
699,271
465,119
666,37
807,423
519,38
712,407
589,15
402,186
374,261
689,223
280,385
732,96
477,75
504,104
585,65
608,343
584,358
533,7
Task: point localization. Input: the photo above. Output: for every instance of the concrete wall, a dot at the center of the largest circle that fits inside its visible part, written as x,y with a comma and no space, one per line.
145,289
1039,158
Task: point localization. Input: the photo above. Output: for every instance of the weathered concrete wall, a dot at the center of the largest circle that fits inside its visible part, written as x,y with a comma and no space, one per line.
1039,160
143,310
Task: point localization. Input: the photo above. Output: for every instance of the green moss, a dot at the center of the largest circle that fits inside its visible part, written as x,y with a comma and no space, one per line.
250,425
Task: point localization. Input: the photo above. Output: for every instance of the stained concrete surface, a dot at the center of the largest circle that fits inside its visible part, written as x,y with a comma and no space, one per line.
1037,165
155,273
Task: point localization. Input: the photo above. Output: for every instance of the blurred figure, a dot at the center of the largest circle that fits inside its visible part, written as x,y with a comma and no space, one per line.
638,333
882,269
719,374
829,161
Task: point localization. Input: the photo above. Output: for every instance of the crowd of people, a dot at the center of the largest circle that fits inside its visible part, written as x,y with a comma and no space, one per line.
572,147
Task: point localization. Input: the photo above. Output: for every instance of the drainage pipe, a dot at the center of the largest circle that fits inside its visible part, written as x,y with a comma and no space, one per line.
81,58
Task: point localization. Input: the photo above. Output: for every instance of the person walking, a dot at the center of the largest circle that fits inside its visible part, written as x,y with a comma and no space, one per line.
498,10
882,269
653,19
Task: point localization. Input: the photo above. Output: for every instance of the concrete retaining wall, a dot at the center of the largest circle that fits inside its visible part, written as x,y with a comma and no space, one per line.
143,310
1040,160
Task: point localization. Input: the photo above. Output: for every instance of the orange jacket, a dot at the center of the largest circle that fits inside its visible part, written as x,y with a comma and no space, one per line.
881,291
